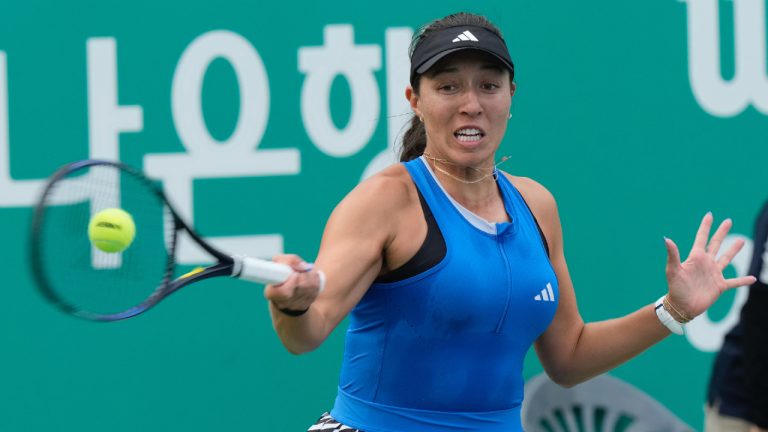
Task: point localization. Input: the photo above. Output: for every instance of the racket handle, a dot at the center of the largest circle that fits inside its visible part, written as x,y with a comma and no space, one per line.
260,271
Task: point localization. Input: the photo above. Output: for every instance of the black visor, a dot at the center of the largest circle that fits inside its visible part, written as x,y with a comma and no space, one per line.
449,40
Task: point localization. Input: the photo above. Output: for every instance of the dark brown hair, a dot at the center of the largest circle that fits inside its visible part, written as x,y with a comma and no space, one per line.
415,138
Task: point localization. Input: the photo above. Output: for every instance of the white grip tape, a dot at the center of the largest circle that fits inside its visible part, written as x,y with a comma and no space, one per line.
262,271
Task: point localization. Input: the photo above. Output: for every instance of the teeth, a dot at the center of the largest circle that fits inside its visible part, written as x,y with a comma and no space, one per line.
468,138
468,132
469,135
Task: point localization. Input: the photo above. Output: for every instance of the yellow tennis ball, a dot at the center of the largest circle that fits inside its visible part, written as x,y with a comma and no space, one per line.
112,230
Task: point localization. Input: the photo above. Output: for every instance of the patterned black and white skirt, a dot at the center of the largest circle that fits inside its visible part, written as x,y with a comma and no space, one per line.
326,423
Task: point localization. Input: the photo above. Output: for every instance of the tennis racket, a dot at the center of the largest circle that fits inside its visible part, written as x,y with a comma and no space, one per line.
86,282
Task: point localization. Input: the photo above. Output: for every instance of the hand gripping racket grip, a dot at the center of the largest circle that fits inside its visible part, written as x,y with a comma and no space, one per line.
260,271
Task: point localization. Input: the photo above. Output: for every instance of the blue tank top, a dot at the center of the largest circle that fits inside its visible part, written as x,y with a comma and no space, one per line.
443,350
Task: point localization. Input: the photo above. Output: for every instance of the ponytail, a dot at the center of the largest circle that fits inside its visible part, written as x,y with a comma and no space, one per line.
414,140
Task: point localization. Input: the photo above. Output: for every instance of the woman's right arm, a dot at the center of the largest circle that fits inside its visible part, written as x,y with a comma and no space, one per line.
351,255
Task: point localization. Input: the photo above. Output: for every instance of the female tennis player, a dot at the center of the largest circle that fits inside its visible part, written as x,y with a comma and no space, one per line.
450,269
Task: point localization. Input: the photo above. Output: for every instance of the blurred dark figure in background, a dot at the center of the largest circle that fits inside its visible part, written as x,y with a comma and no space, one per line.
737,399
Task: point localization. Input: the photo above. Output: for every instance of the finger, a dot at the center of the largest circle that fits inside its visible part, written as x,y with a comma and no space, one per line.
283,291
673,255
307,282
315,279
702,235
719,236
275,293
728,255
295,261
293,295
740,281
289,259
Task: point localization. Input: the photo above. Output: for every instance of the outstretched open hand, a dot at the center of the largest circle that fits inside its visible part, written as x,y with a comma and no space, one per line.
698,281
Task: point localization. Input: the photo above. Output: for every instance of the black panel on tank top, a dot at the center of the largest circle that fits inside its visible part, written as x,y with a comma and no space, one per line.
433,250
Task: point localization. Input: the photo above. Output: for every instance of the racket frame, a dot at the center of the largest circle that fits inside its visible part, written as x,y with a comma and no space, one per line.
246,268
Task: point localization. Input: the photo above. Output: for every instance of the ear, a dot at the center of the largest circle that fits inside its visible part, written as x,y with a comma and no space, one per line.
512,88
413,100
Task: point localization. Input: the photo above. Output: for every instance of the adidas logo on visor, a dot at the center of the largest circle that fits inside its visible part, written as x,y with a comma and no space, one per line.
466,36
546,295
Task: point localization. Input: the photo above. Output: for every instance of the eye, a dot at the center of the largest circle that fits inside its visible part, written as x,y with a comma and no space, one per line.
447,88
490,86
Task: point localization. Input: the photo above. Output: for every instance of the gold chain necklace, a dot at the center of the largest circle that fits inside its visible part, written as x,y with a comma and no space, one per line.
494,171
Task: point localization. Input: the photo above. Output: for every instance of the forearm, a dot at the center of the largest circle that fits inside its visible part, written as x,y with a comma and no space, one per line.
601,346
299,334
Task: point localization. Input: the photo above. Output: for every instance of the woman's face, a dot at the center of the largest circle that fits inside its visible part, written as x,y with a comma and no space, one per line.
464,101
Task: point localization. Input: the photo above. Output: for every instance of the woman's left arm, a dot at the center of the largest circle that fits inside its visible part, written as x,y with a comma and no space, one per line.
572,351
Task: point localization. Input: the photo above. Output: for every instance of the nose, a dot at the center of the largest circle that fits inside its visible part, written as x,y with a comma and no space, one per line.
470,104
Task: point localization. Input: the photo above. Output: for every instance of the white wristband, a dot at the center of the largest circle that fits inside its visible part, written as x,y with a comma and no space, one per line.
321,275
666,319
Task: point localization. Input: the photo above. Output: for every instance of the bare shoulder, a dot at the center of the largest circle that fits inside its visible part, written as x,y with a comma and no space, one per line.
377,204
389,189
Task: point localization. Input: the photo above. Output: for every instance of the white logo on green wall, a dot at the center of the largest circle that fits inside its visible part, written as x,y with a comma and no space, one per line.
749,85
239,155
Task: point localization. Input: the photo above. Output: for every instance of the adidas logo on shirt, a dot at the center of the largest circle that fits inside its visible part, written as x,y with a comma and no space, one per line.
546,294
466,36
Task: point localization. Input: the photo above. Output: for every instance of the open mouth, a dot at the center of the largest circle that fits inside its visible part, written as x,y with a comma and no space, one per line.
469,135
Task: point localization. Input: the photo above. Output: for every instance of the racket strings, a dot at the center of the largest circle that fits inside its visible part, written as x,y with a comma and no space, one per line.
83,278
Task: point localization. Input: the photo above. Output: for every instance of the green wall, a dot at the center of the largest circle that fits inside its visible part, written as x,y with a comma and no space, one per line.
623,111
